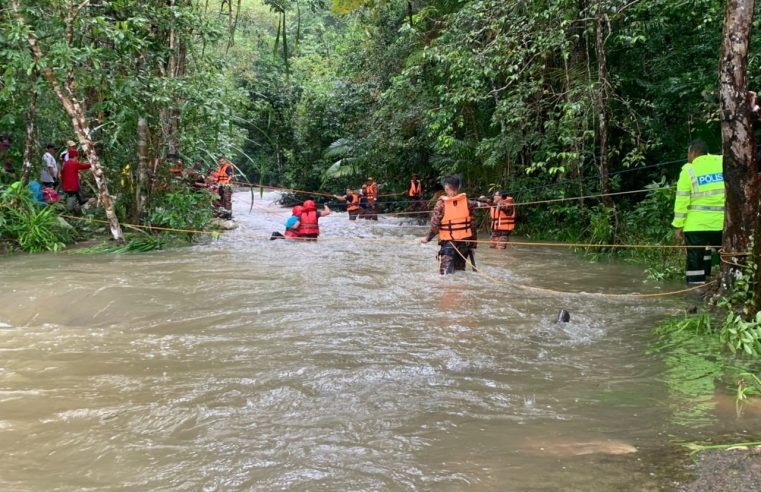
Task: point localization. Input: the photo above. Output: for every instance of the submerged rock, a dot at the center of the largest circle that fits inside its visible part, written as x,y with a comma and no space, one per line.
225,225
581,448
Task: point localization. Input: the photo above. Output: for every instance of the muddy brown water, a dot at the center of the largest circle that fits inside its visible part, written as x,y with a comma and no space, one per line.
248,364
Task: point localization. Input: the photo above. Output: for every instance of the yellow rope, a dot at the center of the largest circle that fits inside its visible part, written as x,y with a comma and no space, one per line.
405,241
597,294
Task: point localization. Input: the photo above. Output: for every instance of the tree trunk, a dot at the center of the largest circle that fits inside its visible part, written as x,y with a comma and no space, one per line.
81,127
738,145
31,113
603,98
141,197
603,95
170,117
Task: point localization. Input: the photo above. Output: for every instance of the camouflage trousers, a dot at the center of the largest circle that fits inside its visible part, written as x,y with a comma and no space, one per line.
226,197
453,255
499,239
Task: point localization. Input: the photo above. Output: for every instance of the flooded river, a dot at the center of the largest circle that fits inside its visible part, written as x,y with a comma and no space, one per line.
346,364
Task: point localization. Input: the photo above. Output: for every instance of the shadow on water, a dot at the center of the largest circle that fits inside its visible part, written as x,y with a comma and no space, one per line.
342,364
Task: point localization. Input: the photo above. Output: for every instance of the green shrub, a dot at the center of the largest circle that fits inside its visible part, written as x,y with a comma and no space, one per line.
182,209
30,226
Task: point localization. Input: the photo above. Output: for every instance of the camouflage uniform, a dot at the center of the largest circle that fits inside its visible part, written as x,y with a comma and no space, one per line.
452,254
499,239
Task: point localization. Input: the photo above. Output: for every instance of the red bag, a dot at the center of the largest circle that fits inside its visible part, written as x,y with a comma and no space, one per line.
50,195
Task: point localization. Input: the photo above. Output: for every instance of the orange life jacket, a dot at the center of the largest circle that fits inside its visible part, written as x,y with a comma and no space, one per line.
222,176
291,233
372,191
416,190
457,224
501,220
353,205
308,224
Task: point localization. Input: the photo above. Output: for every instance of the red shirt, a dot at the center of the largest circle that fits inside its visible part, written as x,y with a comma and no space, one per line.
70,174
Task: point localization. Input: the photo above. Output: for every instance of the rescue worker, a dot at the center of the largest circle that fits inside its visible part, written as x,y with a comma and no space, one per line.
308,228
452,220
352,203
415,193
363,208
502,212
176,166
372,199
699,209
224,177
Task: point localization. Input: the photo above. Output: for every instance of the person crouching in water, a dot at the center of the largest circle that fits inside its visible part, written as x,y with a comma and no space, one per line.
352,203
502,213
309,228
291,225
452,220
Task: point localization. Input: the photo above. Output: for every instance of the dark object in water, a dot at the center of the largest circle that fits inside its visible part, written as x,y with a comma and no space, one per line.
563,316
693,310
276,235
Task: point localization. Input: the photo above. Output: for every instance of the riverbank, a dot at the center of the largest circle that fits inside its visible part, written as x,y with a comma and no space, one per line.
738,470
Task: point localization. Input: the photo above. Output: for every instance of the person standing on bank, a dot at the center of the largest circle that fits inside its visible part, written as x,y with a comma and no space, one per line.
49,171
699,209
224,177
70,180
452,220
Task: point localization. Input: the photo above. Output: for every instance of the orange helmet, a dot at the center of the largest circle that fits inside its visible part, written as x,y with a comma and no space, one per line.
309,206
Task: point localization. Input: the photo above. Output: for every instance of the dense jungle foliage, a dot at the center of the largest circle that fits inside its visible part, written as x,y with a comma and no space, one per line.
546,99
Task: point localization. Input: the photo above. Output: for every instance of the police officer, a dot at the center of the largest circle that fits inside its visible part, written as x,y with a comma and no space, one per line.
699,209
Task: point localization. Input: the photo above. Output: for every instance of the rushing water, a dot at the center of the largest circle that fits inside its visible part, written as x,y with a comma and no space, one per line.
346,364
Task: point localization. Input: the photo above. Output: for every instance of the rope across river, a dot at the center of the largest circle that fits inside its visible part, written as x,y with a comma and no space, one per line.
408,242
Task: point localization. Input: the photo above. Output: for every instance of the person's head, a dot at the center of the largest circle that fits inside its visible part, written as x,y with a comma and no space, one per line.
452,185
696,149
349,191
297,210
414,176
73,153
370,180
50,148
499,196
70,144
364,189
310,206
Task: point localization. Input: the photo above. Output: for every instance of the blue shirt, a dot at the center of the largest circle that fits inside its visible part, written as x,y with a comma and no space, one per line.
291,221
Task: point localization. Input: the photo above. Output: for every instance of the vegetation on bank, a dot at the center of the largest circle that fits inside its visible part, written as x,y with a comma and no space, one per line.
547,100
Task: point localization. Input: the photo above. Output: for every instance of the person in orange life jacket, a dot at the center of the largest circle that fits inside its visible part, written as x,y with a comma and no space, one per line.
224,177
352,203
452,220
372,198
363,207
502,213
415,193
291,225
309,228
70,179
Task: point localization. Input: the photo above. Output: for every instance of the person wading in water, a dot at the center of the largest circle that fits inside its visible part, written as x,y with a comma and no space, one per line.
452,220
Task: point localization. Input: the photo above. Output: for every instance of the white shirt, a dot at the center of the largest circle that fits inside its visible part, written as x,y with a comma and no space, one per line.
49,171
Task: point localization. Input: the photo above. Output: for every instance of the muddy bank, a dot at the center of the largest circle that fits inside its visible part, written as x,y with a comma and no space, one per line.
738,470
